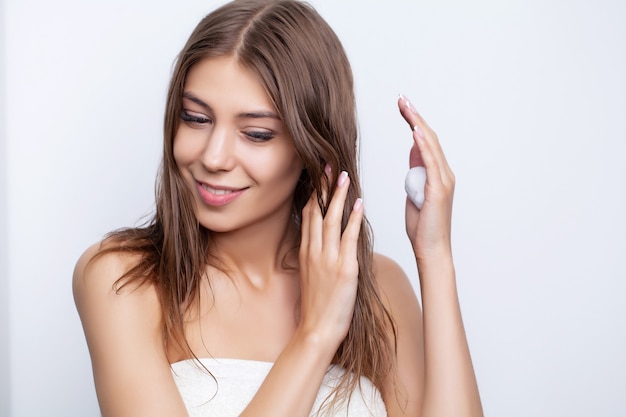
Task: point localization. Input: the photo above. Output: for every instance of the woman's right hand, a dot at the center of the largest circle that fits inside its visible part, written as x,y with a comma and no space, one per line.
329,273
329,267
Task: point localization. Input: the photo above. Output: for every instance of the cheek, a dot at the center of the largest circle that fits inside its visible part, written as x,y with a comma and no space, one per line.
279,168
183,150
289,174
177,150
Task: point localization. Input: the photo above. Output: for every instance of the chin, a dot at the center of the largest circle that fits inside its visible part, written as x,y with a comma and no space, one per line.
220,225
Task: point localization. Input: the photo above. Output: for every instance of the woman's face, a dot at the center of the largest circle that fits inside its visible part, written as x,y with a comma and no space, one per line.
233,150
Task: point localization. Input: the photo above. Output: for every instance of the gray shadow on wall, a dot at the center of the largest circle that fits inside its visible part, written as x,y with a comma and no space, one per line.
5,376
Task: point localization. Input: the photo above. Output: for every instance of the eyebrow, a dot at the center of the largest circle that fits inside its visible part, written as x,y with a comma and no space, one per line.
262,114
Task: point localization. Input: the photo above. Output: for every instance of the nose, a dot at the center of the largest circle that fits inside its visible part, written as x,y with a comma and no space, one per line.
218,154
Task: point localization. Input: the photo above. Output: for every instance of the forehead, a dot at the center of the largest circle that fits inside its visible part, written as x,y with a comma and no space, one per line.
222,80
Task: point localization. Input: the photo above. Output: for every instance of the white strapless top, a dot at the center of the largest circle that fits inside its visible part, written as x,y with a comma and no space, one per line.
238,381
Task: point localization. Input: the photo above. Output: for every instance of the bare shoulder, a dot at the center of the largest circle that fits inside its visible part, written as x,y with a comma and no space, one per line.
89,264
123,328
96,275
103,306
393,283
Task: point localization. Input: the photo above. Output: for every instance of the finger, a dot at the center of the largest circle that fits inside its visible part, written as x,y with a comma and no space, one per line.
411,115
315,225
439,178
434,146
329,174
415,157
334,215
419,126
414,119
416,124
350,237
431,162
304,228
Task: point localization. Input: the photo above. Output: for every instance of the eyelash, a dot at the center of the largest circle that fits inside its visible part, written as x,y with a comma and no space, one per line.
255,136
260,136
186,117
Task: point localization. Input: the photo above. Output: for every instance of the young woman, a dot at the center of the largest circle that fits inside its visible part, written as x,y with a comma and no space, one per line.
253,290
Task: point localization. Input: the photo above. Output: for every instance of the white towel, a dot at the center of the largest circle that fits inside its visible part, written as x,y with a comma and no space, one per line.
238,381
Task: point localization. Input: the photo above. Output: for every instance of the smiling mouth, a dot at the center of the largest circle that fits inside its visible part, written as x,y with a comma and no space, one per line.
217,191
218,196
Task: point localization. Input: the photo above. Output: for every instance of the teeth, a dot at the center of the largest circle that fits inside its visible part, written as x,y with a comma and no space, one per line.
216,191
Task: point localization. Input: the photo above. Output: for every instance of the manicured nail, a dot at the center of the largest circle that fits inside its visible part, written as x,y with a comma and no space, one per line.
328,170
419,131
342,178
411,107
358,204
408,104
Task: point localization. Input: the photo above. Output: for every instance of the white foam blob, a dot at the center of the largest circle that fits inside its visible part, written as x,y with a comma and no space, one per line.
414,184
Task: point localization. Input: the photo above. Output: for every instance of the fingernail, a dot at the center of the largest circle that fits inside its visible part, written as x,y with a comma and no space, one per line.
342,178
410,106
358,204
328,170
419,131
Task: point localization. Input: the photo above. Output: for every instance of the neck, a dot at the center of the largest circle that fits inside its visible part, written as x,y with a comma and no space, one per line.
257,252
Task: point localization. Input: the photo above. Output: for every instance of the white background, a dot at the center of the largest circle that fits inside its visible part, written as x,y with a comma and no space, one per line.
528,98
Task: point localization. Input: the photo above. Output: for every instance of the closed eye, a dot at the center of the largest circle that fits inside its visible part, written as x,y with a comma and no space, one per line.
194,119
260,136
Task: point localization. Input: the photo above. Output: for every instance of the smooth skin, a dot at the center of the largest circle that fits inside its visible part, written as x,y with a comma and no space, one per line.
255,313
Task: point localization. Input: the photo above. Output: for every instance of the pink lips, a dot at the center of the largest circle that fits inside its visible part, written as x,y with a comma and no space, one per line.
221,197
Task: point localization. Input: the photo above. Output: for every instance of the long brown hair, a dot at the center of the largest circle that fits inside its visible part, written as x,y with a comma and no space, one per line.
306,73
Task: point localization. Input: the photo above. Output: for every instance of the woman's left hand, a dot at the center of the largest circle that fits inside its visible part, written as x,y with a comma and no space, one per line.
428,229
